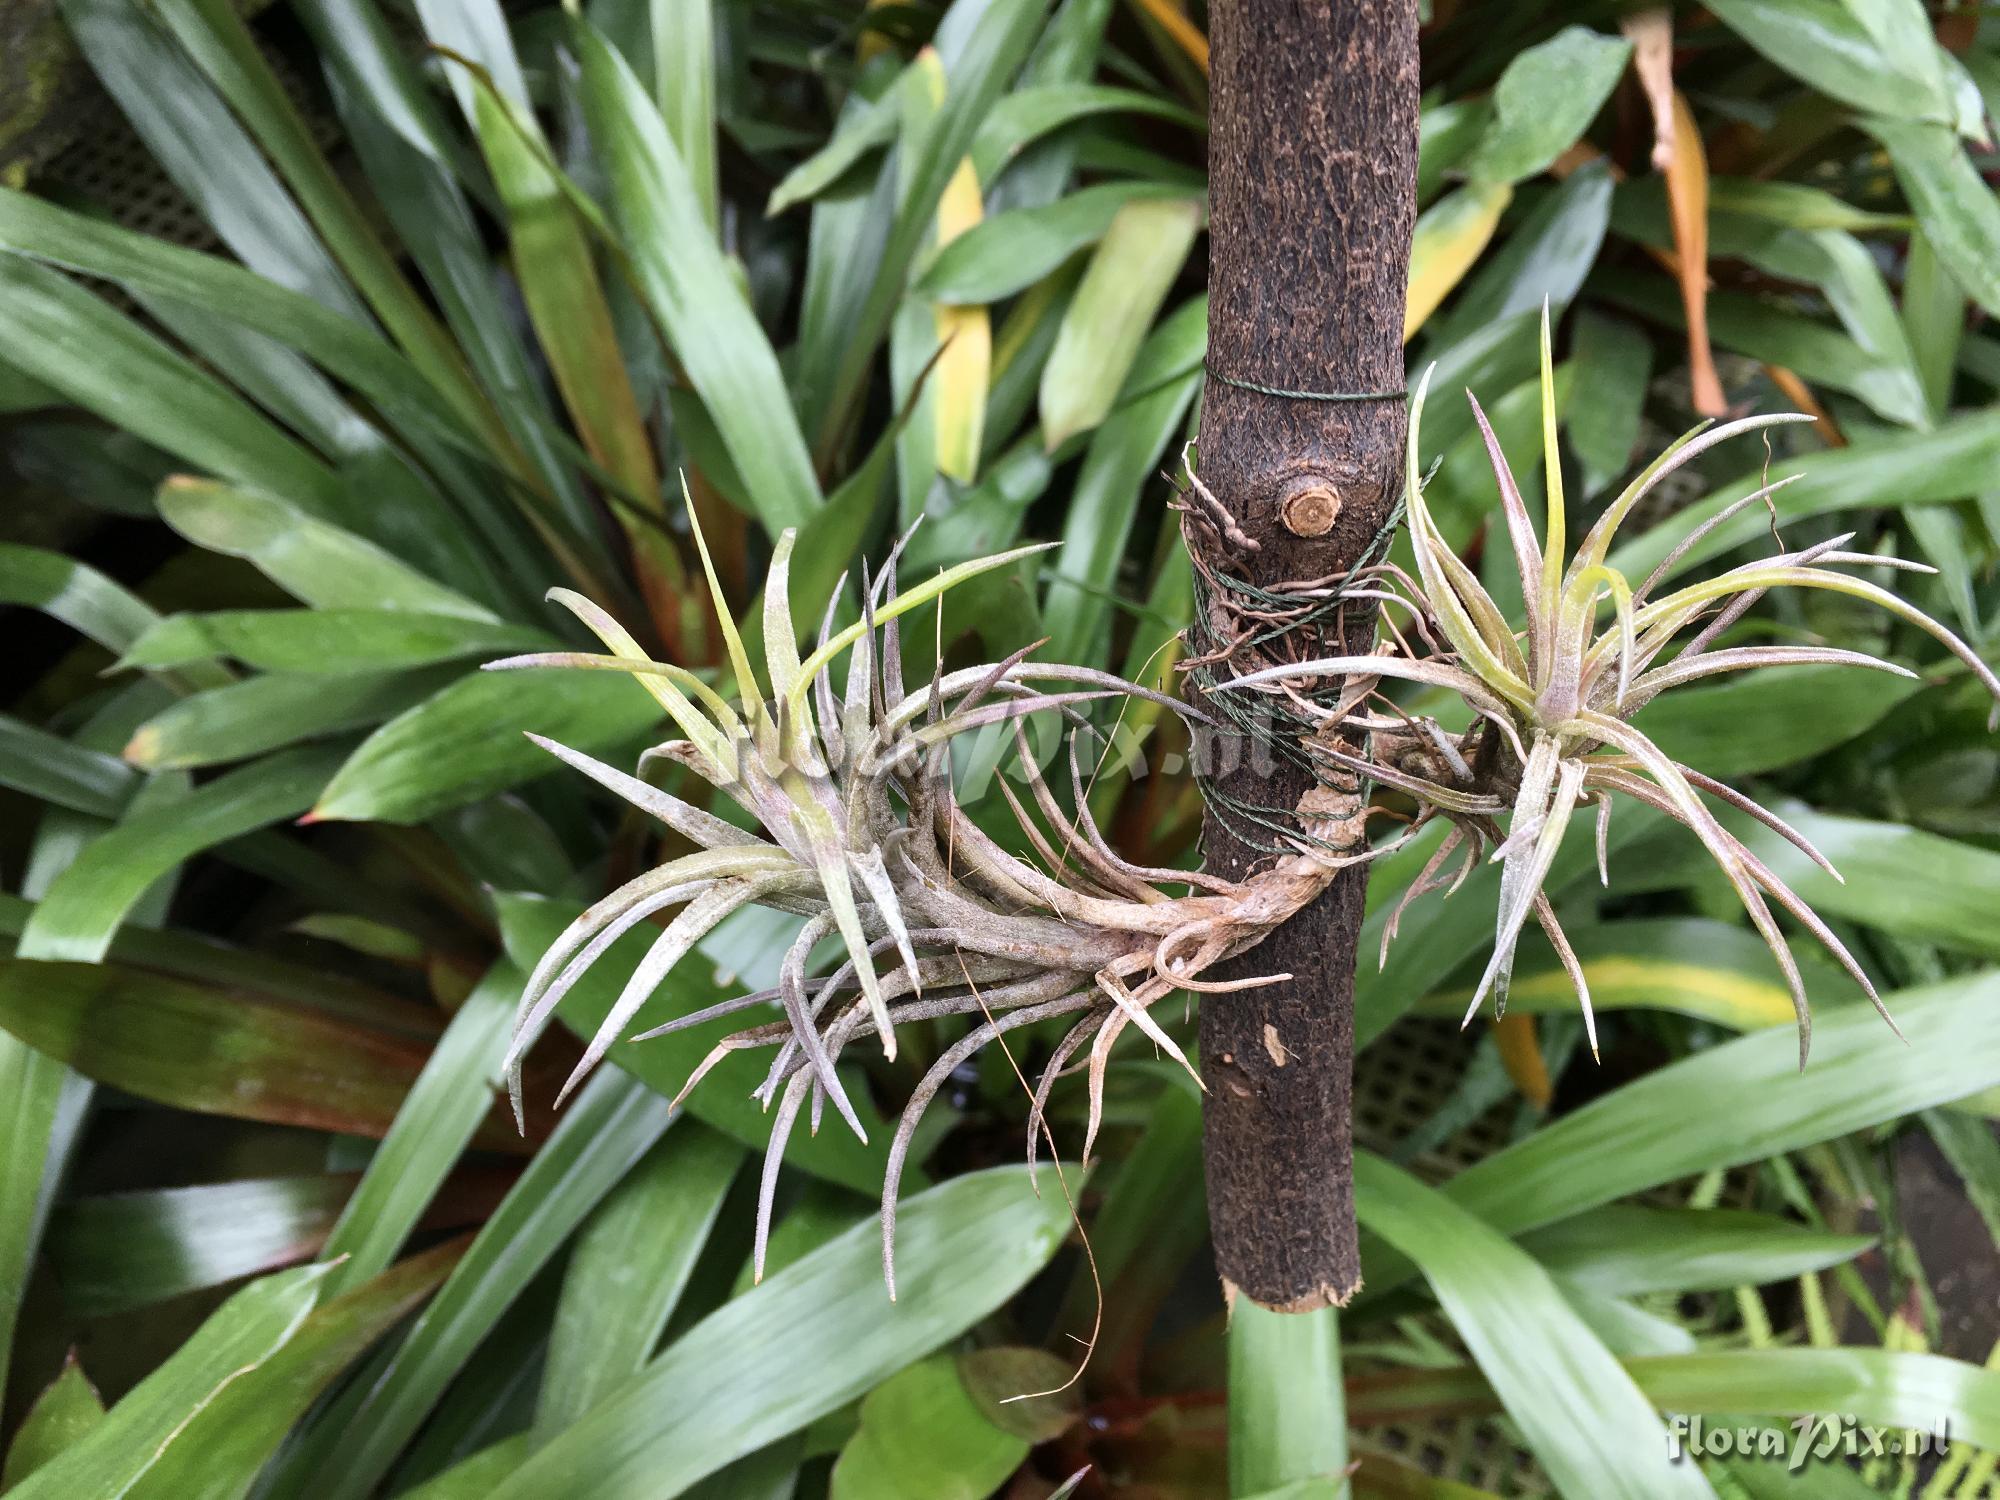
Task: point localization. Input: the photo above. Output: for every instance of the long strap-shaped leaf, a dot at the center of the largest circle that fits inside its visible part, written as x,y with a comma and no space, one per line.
219,41
432,1129
46,231
1590,1426
715,1394
102,360
244,1334
689,290
1739,1102
83,909
632,1261
355,1440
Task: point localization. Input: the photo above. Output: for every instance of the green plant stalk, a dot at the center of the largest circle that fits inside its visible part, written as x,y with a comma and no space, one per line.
1287,1406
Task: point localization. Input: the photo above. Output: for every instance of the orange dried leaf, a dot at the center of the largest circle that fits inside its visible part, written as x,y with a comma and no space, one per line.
1651,33
1172,18
1521,1056
1678,152
1687,200
1800,395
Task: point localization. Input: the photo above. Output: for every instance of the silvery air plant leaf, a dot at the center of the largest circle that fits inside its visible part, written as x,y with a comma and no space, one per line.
862,836
1553,705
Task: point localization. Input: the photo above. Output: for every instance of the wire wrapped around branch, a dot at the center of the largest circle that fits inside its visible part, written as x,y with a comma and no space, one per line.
1239,628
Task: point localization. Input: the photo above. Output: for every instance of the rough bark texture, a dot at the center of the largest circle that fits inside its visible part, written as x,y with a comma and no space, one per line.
1312,183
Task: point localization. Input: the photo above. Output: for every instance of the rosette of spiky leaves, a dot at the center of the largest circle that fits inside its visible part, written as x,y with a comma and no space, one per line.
862,836
1553,704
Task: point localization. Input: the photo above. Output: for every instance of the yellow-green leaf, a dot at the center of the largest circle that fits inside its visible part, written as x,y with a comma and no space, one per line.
1130,274
965,339
1449,238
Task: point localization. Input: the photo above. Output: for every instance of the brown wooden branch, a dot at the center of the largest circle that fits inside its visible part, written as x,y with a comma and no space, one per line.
1313,155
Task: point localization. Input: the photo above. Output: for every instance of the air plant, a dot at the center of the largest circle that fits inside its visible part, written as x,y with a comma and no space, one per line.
1552,706
862,837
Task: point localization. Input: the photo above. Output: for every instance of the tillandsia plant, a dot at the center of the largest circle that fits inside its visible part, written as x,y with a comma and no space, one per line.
865,838
1552,706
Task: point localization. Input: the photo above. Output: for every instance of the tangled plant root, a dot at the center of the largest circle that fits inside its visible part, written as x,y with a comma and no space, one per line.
862,835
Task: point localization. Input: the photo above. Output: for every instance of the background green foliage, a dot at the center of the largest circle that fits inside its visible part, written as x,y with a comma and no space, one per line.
475,288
